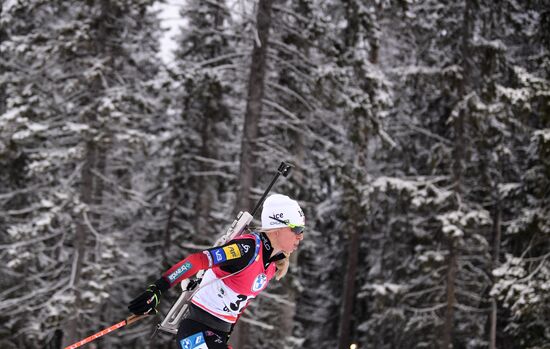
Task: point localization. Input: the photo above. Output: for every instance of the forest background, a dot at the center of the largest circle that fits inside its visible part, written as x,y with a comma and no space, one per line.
419,132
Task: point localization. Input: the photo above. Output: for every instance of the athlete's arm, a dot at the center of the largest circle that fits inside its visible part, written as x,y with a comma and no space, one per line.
234,255
230,257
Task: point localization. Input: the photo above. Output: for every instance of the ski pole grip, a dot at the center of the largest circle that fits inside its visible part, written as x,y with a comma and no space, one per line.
284,168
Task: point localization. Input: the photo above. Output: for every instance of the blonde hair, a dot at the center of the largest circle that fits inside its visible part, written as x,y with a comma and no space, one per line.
282,267
282,264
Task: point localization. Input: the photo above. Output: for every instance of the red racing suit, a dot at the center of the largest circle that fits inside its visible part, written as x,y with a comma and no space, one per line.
237,272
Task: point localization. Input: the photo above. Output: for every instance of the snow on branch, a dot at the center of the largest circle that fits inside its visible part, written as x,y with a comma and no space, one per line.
428,309
282,109
215,162
425,70
298,16
259,324
29,242
386,137
429,134
221,174
520,289
134,194
291,50
292,93
198,65
277,298
287,64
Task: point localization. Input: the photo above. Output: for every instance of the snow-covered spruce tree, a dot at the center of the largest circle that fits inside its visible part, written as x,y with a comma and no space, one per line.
358,92
216,75
201,126
522,279
206,67
77,104
286,133
365,99
255,94
301,86
383,316
437,288
309,88
504,125
4,68
493,152
200,139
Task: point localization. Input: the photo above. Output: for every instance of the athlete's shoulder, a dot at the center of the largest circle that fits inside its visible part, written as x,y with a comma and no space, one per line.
249,236
241,249
246,244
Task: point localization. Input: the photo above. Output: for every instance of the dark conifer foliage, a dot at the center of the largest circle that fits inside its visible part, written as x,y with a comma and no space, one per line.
419,133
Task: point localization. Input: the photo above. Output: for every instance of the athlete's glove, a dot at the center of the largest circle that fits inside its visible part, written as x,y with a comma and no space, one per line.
147,302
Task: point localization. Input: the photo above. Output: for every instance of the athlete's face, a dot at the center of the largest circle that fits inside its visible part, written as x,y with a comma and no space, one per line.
288,240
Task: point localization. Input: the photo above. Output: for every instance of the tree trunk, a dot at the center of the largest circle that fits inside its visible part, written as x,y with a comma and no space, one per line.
212,113
207,185
174,200
349,289
451,300
3,95
496,251
250,129
91,190
254,104
458,169
453,253
71,334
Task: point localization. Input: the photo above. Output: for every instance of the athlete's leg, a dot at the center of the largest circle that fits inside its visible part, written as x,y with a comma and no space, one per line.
194,335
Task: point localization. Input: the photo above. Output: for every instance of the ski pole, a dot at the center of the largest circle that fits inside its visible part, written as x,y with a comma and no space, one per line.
128,321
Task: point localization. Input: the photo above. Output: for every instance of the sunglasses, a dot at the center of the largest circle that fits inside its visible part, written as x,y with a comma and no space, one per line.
296,229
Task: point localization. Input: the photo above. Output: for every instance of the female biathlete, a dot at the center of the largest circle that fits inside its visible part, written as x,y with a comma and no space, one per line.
237,272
